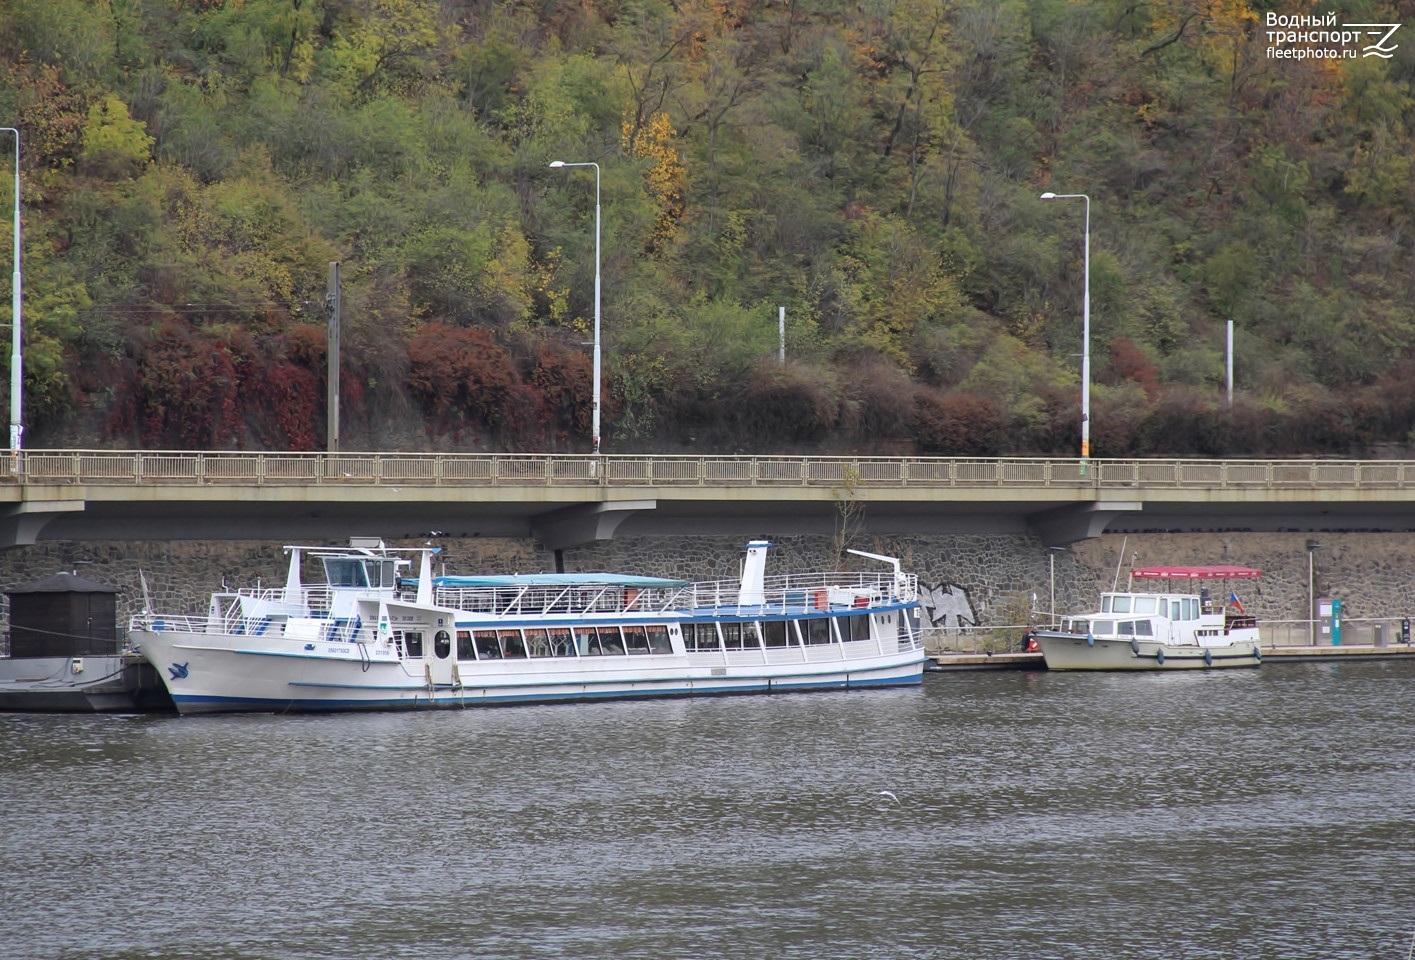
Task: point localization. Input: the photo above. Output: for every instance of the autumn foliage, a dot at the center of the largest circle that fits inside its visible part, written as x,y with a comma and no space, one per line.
868,177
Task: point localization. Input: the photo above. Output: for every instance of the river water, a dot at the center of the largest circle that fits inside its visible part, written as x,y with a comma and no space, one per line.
1245,814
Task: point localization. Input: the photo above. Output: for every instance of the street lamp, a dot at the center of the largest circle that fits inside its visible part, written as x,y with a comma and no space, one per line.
1051,562
16,362
1085,330
1312,548
594,418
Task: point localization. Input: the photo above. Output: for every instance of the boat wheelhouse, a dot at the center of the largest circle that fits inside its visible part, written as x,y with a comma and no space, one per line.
370,637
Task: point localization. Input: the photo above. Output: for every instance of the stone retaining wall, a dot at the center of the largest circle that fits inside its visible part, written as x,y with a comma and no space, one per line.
966,580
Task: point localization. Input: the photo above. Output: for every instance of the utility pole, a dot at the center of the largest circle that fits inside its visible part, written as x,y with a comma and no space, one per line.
334,303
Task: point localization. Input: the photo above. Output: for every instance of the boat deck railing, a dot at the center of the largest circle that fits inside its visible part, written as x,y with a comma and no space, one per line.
791,593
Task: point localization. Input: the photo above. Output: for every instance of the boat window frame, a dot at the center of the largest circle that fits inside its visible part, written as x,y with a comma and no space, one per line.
636,639
537,640
776,634
731,635
659,640
487,644
611,641
512,644
562,642
587,641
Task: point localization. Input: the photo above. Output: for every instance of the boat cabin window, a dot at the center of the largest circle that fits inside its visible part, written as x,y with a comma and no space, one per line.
1134,628
442,644
774,632
1146,605
610,641
636,640
561,644
1191,608
486,646
537,642
1175,609
817,630
465,650
340,572
511,643
699,636
658,639
587,642
859,627
1102,628
413,643
1120,605
732,636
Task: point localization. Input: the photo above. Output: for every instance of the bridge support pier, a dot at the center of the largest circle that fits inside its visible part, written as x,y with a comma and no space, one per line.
21,523
1084,521
573,526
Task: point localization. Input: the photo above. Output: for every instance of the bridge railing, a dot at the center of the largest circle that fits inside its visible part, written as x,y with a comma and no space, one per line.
114,467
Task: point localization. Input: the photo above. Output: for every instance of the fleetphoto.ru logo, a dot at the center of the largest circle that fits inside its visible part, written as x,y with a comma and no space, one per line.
1302,36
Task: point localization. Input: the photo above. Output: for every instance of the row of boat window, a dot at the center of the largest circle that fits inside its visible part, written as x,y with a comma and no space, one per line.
588,641
774,633
509,644
1176,608
1112,628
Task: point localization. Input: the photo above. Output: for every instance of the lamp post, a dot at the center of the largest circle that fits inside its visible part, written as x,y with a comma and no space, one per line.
1051,563
594,417
16,360
1312,548
1085,330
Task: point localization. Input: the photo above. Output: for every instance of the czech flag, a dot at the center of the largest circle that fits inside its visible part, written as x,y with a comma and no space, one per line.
1233,601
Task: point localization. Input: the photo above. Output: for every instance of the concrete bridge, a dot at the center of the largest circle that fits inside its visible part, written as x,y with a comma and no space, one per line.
564,500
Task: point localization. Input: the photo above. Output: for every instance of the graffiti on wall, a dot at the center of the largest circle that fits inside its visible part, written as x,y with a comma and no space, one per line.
947,606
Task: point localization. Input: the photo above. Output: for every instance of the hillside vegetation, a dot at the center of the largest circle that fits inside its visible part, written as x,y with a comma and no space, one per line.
191,168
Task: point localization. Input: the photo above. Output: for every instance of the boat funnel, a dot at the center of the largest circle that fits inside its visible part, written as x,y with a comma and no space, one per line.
753,590
294,593
425,577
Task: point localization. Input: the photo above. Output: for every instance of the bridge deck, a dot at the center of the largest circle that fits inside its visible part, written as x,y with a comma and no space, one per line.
564,499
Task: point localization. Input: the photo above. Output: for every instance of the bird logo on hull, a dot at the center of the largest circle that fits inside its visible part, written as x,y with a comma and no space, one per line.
178,671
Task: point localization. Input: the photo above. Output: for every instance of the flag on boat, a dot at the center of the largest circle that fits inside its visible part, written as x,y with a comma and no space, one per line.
1233,600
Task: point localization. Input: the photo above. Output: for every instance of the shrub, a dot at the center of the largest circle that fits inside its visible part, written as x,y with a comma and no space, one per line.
957,424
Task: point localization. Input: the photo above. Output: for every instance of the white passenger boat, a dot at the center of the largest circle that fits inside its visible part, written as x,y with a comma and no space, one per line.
1158,631
370,638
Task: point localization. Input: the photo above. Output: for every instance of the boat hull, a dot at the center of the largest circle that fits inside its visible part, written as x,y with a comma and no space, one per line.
1065,651
207,673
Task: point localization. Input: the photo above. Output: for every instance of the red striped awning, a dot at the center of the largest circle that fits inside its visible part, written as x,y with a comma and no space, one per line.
1216,572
